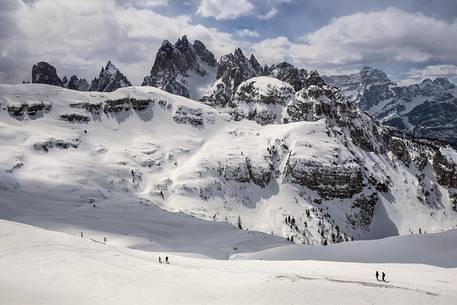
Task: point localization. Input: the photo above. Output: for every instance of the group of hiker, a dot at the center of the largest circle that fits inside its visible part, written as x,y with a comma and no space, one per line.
166,260
160,259
104,238
383,276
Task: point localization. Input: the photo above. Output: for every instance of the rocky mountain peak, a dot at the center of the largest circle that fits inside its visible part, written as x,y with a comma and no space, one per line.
205,55
370,75
109,79
288,73
45,73
176,65
234,68
444,83
75,83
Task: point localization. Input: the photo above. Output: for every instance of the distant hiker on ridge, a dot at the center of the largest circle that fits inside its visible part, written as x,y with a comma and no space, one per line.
377,275
133,176
383,277
160,260
166,260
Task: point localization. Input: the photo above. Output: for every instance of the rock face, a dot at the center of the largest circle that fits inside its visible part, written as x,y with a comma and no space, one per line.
233,69
288,73
183,68
427,109
338,181
445,168
261,99
109,79
44,73
75,83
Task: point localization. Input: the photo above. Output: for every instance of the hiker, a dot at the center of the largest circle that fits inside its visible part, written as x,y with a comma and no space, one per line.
104,239
377,275
81,234
133,176
166,260
161,194
383,277
160,260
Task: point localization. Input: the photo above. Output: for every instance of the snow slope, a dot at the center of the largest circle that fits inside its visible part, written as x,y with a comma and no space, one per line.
46,267
437,249
189,158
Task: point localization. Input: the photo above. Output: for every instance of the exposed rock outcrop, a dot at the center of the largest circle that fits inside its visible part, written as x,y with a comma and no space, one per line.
233,69
75,83
45,73
445,169
337,181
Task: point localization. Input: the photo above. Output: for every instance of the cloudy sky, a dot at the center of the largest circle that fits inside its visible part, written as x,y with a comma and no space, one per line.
409,39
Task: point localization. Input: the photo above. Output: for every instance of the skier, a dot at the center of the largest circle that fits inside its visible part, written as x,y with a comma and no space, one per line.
160,260
377,275
383,277
166,260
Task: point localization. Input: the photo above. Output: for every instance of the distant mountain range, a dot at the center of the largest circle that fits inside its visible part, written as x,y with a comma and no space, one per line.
424,110
427,109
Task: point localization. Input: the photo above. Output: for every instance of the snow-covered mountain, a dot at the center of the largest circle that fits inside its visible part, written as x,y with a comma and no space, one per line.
306,165
183,69
427,109
233,69
109,79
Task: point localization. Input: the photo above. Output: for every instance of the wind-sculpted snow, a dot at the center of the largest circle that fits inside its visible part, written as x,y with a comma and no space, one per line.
318,171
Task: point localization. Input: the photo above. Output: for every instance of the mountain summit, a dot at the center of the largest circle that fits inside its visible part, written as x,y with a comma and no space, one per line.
109,79
183,68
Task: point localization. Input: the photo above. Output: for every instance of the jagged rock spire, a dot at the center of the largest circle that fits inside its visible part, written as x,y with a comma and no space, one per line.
109,79
176,64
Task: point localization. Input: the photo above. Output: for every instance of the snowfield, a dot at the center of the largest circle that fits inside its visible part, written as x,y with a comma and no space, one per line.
187,157
47,267
162,175
437,249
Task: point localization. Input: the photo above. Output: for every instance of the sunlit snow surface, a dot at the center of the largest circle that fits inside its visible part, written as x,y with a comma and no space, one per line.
48,198
47,267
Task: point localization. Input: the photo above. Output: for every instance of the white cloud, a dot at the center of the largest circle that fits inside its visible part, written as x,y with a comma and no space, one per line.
430,71
390,35
143,3
80,36
270,14
247,33
225,10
